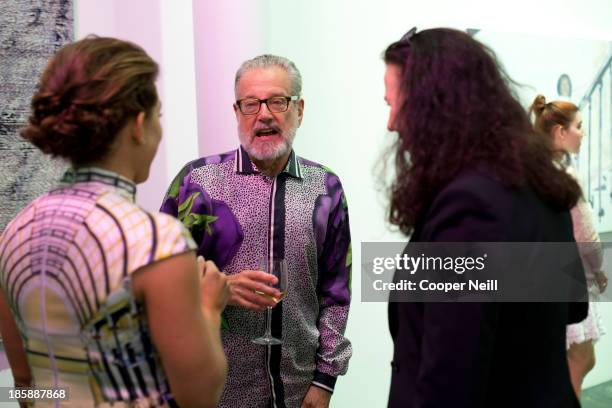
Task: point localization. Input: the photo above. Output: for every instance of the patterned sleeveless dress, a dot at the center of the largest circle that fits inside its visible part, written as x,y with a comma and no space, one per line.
66,263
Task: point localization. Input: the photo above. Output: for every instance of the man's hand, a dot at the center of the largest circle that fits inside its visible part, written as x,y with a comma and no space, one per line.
316,398
245,285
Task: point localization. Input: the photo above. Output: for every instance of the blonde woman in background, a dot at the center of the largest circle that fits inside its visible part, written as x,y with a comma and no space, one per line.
561,121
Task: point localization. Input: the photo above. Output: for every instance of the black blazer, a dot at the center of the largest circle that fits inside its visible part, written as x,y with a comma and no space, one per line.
490,355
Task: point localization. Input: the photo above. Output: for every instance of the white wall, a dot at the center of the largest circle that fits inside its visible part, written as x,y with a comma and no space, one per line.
165,30
225,35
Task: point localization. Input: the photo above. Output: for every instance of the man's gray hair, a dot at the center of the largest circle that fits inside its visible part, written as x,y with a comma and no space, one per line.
267,61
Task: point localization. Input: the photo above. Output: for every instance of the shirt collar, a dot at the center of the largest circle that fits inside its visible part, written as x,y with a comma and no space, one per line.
244,165
99,175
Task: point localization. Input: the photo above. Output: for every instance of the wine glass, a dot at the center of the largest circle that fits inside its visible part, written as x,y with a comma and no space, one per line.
277,267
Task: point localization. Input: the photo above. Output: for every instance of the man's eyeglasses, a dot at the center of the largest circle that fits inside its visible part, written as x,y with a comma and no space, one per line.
275,104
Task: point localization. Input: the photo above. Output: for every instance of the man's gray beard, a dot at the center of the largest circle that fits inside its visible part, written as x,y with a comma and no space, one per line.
274,153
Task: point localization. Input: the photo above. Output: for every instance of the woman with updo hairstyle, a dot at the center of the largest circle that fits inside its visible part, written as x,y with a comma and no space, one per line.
561,124
101,300
468,169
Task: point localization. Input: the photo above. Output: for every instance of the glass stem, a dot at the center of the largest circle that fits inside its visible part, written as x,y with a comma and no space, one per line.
269,323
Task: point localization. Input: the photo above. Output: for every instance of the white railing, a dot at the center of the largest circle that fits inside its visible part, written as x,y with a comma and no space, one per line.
595,160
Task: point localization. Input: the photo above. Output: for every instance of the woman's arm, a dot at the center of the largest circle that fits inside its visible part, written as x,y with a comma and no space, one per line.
587,239
13,345
183,311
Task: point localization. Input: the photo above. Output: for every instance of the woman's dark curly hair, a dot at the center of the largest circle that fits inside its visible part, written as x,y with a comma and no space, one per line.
457,112
87,93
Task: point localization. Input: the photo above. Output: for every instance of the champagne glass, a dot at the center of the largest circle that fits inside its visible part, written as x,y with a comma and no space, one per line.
277,267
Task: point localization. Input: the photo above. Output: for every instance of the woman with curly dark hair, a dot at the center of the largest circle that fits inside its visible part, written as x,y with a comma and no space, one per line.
561,123
99,297
469,170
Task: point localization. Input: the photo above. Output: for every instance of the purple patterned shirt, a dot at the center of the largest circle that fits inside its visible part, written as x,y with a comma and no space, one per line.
238,217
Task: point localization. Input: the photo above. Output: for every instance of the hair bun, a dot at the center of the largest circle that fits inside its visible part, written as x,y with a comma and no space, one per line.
538,105
87,93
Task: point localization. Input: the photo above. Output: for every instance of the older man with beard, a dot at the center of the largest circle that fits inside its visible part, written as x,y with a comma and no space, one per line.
260,203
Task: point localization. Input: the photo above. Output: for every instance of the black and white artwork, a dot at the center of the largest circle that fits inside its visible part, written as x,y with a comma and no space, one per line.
30,33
